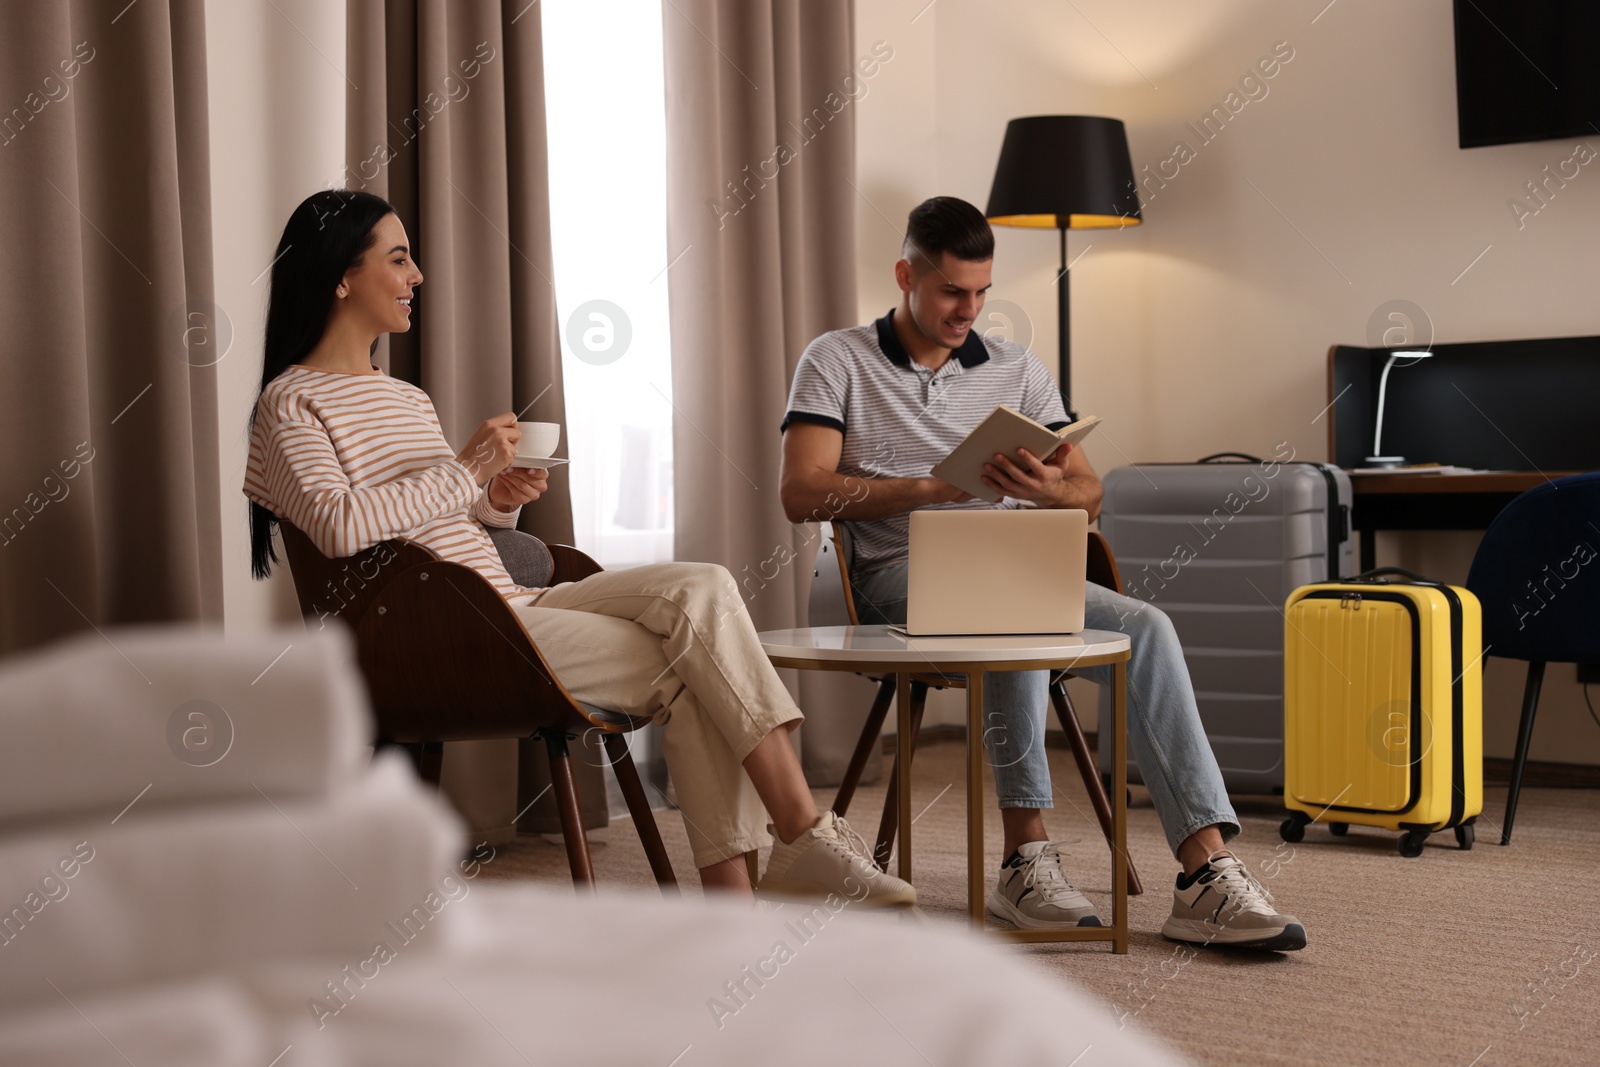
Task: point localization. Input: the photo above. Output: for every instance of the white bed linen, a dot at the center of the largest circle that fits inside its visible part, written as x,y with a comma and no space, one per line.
536,975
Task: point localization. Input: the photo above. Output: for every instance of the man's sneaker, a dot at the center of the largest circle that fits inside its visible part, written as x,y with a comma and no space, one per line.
1034,894
1223,904
831,858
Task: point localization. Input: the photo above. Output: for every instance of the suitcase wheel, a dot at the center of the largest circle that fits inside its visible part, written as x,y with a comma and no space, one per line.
1411,843
1465,835
1293,829
1338,829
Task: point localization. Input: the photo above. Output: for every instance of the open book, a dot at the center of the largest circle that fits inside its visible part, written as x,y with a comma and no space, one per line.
1005,431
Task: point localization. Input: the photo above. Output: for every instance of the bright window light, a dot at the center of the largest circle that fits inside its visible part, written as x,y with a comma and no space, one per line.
605,110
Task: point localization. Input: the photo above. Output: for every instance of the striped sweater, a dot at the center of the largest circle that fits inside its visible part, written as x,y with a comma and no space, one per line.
355,459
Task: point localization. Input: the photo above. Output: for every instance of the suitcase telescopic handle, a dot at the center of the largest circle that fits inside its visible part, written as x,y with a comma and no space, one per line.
1378,572
1243,457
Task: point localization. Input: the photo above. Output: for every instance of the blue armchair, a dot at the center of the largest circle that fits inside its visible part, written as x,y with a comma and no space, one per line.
1537,574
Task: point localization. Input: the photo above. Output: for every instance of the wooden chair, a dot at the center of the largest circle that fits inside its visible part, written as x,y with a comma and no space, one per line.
1102,570
445,659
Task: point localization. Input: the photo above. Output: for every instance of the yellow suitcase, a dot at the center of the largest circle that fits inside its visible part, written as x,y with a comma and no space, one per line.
1383,707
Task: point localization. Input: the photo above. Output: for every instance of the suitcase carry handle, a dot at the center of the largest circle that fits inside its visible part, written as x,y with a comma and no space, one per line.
1377,572
1243,457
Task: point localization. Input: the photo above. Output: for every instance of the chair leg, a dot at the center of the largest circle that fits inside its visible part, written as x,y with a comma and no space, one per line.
1096,789
889,825
430,762
427,757
865,747
1530,704
752,867
566,791
644,820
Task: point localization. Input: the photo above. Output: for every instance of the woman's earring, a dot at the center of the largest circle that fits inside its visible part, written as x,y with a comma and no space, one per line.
342,291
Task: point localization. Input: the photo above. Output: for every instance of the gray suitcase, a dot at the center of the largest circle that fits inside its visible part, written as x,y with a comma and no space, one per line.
1219,545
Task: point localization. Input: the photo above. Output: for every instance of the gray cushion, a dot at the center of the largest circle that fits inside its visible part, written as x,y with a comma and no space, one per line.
527,560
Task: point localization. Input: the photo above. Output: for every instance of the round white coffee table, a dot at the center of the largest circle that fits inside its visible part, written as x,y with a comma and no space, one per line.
883,650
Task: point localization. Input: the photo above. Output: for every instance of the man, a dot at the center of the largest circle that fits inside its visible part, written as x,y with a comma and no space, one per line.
880,404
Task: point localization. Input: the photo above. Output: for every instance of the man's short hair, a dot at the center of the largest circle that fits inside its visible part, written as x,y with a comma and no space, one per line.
946,224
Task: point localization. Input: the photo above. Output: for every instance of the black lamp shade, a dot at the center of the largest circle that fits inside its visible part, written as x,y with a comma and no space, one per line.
1069,172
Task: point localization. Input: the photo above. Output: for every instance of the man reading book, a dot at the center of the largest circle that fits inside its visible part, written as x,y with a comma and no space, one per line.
880,404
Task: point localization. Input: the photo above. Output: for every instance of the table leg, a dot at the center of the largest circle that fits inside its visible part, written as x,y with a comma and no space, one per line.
975,796
1119,800
903,741
1369,553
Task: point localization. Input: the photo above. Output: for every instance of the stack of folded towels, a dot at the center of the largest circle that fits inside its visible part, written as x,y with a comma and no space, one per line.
181,803
202,866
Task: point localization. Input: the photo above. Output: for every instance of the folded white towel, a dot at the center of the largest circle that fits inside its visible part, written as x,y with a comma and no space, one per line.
204,1023
181,711
164,893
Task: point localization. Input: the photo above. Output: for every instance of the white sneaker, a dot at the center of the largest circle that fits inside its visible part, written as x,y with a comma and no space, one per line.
831,858
1224,905
1033,892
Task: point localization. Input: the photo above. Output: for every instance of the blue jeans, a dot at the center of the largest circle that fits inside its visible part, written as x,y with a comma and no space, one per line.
1164,730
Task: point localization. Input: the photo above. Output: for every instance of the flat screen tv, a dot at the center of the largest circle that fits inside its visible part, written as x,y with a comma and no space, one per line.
1527,70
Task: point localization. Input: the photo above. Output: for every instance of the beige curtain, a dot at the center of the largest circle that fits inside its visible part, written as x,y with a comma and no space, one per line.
445,118
760,166
109,491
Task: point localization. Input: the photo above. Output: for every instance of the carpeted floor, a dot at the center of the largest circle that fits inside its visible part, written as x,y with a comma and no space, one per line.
1464,958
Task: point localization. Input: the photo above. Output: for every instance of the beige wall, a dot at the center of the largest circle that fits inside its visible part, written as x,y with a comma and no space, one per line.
277,135
1207,328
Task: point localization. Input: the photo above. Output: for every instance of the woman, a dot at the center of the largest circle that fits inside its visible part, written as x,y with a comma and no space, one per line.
352,457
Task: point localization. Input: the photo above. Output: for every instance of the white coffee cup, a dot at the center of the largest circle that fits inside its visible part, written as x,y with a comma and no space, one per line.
539,439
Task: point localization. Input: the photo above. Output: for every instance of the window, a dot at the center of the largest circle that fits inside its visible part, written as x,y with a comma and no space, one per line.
605,112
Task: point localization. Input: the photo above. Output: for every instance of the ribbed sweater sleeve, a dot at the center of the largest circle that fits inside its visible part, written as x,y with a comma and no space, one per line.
484,511
309,488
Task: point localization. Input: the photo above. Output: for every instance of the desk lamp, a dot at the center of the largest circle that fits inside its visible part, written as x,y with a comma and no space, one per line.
1064,172
1378,459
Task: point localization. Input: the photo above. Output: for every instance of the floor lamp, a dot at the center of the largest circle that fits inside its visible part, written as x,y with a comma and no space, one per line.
1064,172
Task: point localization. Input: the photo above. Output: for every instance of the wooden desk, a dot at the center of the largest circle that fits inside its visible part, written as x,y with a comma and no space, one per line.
1434,501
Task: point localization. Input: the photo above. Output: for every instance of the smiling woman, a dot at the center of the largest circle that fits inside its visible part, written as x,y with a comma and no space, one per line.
347,454
374,295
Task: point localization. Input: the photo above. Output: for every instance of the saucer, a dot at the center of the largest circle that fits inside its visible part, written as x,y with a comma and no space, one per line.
536,462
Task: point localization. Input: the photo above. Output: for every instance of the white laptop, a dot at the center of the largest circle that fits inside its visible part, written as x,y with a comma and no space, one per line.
996,572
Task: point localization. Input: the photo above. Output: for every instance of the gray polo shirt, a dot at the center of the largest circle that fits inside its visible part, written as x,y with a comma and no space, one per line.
899,418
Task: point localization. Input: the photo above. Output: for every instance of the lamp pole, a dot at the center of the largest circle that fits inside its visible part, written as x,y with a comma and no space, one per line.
1064,330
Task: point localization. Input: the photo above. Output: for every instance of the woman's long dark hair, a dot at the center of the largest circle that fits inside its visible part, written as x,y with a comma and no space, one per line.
324,238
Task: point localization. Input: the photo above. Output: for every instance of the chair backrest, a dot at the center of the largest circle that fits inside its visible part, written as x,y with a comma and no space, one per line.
840,554
571,565
1537,574
343,588
446,659
1102,565
443,655
1101,570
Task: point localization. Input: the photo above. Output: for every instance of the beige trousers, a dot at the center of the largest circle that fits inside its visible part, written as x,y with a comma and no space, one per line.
673,641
